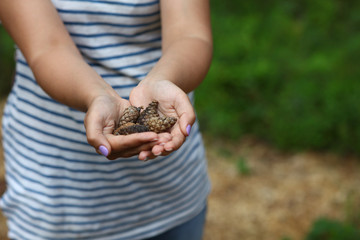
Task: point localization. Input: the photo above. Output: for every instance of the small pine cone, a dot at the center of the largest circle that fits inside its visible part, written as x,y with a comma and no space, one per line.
160,124
131,114
149,112
129,128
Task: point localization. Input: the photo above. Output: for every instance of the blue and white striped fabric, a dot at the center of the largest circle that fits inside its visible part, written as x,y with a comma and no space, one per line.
58,187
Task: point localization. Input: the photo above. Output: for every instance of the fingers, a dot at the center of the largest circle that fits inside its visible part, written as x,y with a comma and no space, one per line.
123,142
95,135
100,121
130,145
164,148
129,152
157,149
186,113
175,143
145,155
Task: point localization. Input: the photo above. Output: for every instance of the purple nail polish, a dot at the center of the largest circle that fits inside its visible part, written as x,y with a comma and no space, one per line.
188,129
103,150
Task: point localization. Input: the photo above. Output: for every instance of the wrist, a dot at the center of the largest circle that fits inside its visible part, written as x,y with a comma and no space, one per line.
96,92
151,81
156,77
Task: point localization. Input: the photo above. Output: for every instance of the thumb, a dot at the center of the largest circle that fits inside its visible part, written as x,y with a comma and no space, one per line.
186,113
95,136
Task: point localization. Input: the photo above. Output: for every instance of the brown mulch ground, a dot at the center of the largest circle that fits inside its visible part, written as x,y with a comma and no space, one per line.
280,196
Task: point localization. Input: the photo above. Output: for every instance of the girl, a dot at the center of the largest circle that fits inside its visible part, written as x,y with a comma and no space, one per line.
79,64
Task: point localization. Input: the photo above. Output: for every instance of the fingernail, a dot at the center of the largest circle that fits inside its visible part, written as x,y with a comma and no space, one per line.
104,150
188,129
157,154
169,149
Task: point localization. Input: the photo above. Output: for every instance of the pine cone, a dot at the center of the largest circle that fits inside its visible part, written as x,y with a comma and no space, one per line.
131,114
149,112
160,124
134,121
129,128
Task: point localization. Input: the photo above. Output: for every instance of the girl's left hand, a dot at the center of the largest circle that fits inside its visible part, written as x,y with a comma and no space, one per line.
173,102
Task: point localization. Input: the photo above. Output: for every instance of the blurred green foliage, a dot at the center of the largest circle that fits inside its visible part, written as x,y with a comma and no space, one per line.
285,71
242,166
6,62
352,208
326,229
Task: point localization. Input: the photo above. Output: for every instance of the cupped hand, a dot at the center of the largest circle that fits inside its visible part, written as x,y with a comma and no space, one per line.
100,121
173,102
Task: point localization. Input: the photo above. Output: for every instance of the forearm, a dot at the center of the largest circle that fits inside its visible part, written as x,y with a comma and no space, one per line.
187,43
185,62
66,77
50,52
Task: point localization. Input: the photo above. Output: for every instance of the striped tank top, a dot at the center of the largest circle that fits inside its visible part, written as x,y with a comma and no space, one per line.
58,186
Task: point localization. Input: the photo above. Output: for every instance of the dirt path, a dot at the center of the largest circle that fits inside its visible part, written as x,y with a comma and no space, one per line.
281,195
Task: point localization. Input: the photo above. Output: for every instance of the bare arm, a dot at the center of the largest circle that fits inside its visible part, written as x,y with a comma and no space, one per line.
187,43
53,57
